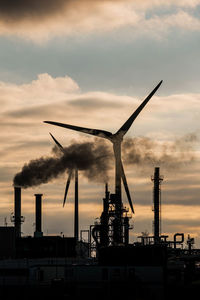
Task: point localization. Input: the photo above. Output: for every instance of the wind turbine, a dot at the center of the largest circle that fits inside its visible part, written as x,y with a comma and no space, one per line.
116,140
75,170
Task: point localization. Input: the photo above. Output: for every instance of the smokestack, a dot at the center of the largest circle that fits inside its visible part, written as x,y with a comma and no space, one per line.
126,231
104,236
17,214
38,215
156,201
76,216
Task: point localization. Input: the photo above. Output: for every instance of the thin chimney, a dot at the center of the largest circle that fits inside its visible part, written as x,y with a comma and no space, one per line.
17,214
38,215
156,200
104,236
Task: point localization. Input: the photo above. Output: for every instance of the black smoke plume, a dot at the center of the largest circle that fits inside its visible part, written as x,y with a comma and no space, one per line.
92,158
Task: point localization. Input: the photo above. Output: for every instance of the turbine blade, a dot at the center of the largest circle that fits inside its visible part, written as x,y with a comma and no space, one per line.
57,143
96,132
126,188
129,122
67,186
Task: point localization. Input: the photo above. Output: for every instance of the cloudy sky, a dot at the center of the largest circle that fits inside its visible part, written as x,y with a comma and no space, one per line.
91,63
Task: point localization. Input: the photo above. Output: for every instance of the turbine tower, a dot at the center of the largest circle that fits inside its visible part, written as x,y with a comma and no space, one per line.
75,170
116,139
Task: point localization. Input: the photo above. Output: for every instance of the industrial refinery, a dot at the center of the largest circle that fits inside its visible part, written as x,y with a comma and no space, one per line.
93,261
98,262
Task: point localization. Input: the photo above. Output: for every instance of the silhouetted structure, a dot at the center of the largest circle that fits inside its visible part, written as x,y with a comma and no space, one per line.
58,266
104,233
18,211
38,215
76,215
157,179
116,140
17,219
76,202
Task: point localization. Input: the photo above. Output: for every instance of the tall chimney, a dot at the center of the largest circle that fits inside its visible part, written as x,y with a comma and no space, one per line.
17,214
38,215
76,215
156,201
126,230
104,236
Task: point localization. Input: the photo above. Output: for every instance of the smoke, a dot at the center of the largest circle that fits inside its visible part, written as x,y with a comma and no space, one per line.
95,159
143,151
92,158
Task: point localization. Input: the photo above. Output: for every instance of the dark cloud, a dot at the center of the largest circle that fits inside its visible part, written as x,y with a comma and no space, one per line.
20,10
93,103
42,110
181,196
33,112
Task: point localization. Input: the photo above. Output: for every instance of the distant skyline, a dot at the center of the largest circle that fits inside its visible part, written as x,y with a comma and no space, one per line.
91,63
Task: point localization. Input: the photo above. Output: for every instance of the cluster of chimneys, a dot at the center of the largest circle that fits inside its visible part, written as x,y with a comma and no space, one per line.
18,219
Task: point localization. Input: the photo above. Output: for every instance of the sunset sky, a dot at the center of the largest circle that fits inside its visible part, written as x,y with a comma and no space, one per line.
90,63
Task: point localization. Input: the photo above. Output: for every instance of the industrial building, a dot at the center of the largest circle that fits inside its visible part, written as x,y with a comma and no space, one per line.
150,268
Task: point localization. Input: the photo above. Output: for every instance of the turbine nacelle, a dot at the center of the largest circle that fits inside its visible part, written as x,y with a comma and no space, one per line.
117,138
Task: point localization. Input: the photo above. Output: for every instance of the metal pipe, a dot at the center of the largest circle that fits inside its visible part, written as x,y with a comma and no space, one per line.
179,241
